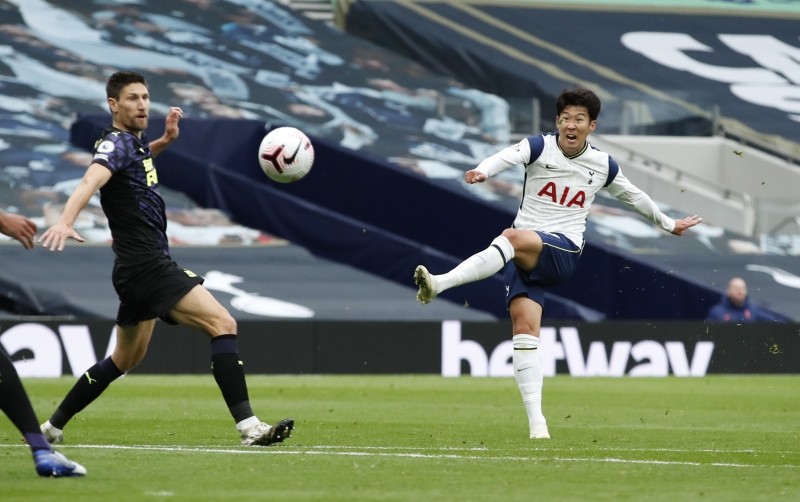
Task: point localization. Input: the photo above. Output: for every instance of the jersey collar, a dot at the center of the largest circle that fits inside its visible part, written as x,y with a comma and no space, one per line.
585,147
111,129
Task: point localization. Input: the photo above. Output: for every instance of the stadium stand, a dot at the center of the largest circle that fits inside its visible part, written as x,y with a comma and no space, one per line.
660,69
319,10
392,140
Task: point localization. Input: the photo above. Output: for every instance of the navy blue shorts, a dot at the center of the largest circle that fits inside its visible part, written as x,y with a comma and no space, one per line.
149,290
557,262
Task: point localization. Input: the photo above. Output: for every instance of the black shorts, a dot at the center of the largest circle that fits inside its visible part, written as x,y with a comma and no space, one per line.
149,290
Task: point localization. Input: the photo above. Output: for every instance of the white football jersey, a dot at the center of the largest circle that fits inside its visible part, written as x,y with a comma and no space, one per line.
559,189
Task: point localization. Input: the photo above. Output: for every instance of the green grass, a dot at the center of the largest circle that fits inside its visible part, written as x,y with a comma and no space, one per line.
422,438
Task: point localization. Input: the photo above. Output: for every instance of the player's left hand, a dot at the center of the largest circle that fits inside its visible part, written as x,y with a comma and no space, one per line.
683,224
55,237
171,129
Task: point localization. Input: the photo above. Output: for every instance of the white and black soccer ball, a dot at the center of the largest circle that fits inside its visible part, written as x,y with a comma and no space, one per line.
286,154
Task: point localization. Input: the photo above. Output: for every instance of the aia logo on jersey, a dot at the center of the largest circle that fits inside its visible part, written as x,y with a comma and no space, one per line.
562,197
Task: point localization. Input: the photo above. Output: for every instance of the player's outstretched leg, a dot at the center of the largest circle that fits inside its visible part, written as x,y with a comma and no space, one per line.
16,404
228,371
475,268
86,389
427,285
52,464
263,434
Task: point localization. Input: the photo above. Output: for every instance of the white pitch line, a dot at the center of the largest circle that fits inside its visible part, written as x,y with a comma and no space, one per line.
546,447
360,452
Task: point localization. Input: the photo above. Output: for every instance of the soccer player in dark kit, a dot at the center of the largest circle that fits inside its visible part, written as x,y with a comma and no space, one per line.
149,283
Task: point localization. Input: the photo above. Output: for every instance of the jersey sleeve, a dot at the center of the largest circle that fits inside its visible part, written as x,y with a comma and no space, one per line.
630,195
519,153
112,152
613,169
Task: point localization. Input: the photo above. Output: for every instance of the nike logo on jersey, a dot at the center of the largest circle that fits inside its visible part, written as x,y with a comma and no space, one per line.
548,166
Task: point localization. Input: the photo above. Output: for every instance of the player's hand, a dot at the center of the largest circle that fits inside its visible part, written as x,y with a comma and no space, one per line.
18,227
475,176
171,129
683,224
55,238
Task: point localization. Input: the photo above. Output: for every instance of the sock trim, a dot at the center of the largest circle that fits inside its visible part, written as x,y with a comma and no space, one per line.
502,255
224,344
504,247
525,342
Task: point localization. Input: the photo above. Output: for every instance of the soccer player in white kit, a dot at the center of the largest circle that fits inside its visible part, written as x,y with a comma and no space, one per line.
563,172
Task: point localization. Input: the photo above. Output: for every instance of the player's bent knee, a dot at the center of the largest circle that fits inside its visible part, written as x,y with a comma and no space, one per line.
126,361
230,326
224,325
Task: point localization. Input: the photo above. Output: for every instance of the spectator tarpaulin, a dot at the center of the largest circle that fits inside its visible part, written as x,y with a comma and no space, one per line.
253,283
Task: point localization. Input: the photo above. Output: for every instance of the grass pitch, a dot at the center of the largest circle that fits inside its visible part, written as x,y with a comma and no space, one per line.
423,438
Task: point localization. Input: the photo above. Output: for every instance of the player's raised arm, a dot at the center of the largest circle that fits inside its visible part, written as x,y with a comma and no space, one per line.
55,237
638,200
171,131
519,153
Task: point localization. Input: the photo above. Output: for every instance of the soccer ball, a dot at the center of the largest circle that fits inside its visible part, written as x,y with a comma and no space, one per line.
286,154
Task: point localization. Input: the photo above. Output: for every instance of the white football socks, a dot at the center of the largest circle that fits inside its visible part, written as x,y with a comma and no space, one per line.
528,373
247,423
478,266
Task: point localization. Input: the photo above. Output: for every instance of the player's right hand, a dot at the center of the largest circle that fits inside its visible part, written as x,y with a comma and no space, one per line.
55,237
171,129
475,176
19,228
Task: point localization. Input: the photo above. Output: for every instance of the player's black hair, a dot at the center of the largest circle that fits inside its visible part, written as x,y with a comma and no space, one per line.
119,80
579,97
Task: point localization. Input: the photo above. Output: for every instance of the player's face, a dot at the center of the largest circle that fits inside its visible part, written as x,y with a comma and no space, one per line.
131,110
574,127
